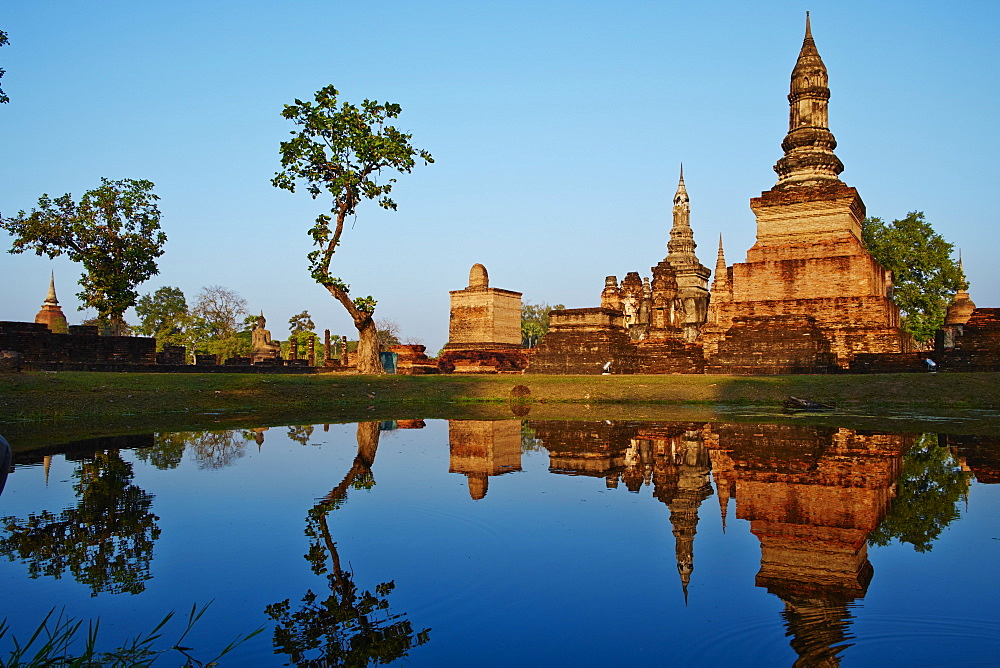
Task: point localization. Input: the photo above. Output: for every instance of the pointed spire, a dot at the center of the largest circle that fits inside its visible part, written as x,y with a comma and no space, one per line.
681,245
682,193
809,159
51,297
720,283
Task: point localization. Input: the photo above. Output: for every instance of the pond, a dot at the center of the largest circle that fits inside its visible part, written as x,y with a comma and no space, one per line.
519,542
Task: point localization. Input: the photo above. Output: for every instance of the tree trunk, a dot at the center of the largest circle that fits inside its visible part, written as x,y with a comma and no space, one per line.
368,360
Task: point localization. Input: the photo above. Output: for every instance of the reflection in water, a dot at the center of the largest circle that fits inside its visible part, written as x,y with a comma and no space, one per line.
211,449
671,457
483,448
812,495
105,541
348,627
930,488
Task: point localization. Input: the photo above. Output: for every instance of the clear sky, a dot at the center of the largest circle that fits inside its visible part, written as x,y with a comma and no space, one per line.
557,128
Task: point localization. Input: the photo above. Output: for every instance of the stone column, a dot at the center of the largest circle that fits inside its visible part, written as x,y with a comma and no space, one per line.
311,348
293,348
327,356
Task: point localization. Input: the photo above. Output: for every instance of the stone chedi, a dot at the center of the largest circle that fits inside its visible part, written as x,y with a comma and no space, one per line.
264,349
642,325
674,305
51,314
809,295
484,332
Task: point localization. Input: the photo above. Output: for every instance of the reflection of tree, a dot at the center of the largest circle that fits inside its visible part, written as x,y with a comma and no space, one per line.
106,541
930,487
217,449
348,627
301,433
530,442
167,450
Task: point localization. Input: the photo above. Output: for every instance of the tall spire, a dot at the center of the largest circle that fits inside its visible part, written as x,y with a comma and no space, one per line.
720,284
809,159
51,297
681,245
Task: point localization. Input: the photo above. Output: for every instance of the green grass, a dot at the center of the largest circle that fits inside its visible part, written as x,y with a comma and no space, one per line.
41,405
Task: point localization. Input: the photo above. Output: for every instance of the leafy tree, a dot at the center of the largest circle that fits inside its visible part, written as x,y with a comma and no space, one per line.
3,96
930,487
535,322
106,541
924,274
113,231
341,151
349,627
301,328
217,316
301,323
164,315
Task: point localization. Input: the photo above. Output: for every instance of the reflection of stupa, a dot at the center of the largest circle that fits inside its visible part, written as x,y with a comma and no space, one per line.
689,457
812,496
671,457
484,448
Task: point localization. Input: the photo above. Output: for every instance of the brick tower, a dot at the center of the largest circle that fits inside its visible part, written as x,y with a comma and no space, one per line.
809,296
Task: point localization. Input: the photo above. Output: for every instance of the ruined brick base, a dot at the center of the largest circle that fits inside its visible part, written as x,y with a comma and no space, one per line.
504,360
585,352
411,360
773,345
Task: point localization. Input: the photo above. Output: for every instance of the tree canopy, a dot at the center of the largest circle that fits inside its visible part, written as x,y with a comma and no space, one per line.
924,274
164,315
341,151
113,231
535,322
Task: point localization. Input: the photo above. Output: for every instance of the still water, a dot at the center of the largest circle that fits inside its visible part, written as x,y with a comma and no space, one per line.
520,542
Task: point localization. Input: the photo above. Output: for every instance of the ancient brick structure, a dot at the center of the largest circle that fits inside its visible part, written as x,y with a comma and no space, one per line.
808,259
674,304
585,341
484,333
978,347
81,349
481,449
51,314
411,360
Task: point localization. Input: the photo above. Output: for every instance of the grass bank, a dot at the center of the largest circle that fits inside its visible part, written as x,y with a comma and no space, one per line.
33,405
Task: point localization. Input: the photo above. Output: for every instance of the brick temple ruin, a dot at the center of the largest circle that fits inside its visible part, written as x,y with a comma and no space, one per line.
809,298
484,328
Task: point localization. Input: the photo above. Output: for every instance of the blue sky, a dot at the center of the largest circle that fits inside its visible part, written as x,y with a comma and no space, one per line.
557,128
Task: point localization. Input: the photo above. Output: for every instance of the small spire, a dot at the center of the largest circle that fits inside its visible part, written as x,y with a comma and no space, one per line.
51,297
809,32
682,194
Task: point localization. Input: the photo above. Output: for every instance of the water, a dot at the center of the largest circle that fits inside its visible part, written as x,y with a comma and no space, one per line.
520,542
